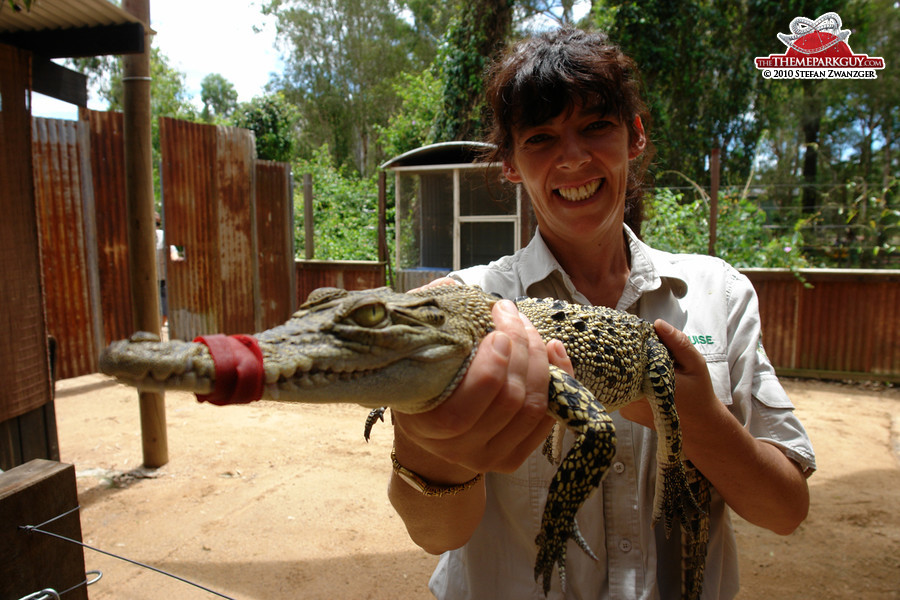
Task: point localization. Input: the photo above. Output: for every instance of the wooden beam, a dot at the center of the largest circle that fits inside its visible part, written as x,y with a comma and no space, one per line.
713,200
127,38
309,229
32,494
51,79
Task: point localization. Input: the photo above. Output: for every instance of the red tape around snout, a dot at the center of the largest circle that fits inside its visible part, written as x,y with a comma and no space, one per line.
239,369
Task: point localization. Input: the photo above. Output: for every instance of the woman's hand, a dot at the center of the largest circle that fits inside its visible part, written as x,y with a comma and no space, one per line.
754,477
692,382
493,420
497,415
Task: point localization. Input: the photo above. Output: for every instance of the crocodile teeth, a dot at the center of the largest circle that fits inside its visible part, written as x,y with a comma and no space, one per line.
582,192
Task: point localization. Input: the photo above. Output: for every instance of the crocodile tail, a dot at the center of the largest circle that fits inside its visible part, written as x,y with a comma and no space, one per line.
695,535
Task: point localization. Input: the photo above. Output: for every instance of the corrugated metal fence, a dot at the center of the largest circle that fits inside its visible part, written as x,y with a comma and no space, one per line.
231,218
843,324
65,217
346,274
219,203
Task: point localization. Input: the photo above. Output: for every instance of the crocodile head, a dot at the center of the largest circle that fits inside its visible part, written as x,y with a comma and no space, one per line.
372,347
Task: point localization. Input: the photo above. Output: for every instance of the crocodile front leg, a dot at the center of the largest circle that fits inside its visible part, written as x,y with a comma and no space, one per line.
578,475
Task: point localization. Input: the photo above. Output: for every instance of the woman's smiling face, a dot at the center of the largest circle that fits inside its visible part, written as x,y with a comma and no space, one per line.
575,169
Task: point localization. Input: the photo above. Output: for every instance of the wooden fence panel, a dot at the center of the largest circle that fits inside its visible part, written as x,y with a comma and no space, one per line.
24,363
27,422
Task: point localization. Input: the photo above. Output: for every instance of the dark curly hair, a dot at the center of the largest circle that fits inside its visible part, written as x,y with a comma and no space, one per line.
539,77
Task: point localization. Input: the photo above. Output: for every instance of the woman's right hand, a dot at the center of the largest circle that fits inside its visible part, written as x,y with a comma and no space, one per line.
497,415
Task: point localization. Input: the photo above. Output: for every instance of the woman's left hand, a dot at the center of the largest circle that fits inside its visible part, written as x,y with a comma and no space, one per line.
691,375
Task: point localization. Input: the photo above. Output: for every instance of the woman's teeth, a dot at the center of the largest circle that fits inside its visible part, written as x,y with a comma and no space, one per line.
575,194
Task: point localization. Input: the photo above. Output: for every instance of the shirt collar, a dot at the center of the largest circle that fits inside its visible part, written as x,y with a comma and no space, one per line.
650,270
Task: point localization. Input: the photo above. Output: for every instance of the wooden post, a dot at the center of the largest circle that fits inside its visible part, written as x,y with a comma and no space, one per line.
713,199
142,225
32,494
382,226
308,224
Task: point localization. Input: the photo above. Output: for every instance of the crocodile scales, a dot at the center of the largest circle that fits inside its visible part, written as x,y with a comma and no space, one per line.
408,352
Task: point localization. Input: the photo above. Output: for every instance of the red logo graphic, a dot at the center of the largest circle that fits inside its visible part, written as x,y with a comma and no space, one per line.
818,50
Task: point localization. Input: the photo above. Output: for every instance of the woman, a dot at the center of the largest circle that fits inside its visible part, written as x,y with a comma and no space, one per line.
570,126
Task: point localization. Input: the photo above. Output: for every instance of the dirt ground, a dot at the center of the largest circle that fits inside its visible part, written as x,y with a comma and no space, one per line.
283,501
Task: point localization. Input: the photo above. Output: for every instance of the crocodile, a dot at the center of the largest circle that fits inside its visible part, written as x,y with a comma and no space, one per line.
408,351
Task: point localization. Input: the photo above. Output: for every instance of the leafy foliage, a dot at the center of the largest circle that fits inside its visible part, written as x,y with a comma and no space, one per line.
272,119
412,125
18,5
699,94
472,39
742,239
345,211
218,96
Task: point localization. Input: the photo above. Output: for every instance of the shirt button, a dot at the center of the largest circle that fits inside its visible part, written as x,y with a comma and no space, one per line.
625,545
619,468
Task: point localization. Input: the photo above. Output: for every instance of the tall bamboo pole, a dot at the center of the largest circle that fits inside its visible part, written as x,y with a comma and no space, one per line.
142,225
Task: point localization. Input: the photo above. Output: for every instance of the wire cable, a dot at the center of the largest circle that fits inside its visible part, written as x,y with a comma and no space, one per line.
37,529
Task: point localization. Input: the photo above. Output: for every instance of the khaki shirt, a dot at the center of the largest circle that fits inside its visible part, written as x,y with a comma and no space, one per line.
717,307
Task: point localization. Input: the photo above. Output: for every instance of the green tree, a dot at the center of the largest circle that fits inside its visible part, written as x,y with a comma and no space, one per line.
168,96
18,5
559,12
218,96
272,120
474,36
701,82
411,125
343,59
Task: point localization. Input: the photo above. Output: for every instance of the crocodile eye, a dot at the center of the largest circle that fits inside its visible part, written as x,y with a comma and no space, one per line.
369,315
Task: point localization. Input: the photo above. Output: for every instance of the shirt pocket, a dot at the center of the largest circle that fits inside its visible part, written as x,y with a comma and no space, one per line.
720,375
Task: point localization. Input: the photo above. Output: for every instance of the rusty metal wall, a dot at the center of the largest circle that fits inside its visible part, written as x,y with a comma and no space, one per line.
275,243
843,324
234,232
347,274
107,163
63,196
235,158
191,224
24,363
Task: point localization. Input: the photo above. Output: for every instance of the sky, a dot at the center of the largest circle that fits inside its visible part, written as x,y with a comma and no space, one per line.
200,37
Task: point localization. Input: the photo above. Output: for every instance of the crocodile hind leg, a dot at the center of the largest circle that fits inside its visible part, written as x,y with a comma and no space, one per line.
673,495
695,536
578,475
